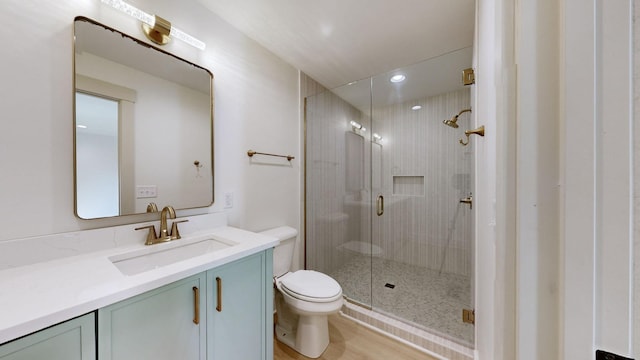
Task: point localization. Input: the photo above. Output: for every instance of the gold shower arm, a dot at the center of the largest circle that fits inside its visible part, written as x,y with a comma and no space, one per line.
478,131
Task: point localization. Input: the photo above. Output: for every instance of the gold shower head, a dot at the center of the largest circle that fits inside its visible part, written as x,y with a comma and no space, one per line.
453,122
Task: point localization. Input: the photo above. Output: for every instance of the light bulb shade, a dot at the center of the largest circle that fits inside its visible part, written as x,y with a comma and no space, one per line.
179,34
132,11
155,28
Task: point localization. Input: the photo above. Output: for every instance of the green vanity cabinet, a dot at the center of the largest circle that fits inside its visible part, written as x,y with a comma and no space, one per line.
72,340
167,323
240,309
235,303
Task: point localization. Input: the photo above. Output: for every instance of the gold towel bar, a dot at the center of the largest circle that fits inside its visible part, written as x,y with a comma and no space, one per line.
250,153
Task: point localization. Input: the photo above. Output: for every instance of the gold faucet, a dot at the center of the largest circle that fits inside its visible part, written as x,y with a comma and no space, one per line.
152,207
151,235
165,235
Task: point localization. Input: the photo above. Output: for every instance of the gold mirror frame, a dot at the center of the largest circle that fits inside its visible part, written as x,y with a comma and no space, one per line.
193,172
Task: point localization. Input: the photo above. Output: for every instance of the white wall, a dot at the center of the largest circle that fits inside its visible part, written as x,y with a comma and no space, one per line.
572,158
493,102
256,106
597,185
537,176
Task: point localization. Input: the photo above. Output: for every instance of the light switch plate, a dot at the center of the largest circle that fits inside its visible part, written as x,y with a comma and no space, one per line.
228,200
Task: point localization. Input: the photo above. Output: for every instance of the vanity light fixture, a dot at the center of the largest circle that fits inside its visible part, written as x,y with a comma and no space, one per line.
355,126
156,29
377,138
397,78
416,107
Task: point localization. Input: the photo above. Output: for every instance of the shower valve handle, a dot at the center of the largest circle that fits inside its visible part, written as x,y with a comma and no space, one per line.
469,201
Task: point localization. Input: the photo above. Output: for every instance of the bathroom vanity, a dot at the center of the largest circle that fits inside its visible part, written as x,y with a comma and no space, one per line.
217,314
215,304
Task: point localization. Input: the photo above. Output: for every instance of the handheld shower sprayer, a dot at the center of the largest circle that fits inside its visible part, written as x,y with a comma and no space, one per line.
453,122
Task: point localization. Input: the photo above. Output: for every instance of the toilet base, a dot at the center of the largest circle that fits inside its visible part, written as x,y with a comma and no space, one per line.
310,338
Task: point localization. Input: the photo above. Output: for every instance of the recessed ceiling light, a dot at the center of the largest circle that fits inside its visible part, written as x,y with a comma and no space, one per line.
397,78
416,107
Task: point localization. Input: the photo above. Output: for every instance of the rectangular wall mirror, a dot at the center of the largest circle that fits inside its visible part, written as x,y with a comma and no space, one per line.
143,126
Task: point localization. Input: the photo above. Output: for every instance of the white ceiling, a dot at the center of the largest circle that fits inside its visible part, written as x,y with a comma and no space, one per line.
340,41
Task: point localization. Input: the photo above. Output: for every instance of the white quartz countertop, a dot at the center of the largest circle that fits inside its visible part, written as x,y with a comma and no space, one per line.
39,295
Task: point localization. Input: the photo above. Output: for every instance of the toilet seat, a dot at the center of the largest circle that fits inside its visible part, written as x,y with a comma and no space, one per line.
309,285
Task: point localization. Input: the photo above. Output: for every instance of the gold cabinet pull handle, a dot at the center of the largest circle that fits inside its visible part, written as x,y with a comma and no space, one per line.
380,205
219,288
196,305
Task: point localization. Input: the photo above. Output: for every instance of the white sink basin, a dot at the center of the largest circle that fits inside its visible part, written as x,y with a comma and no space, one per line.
159,255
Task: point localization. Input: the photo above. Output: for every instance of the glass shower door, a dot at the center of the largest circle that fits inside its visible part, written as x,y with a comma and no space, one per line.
385,176
422,264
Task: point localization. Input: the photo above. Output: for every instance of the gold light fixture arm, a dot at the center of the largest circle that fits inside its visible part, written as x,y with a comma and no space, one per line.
478,131
160,31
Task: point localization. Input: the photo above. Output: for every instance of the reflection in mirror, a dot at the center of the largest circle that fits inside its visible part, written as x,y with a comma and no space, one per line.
143,130
97,138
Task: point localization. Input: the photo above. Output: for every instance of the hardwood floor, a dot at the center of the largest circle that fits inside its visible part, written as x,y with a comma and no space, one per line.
352,341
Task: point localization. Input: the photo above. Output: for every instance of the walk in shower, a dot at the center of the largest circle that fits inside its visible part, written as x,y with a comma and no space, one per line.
389,192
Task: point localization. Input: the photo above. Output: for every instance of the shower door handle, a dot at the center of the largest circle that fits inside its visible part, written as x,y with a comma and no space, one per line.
380,205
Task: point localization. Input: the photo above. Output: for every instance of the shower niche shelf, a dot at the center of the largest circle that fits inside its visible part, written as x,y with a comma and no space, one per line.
408,185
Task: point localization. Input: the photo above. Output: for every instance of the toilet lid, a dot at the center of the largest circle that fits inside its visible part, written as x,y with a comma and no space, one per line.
312,284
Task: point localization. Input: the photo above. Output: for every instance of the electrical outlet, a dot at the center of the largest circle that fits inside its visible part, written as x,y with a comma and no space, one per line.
228,200
146,191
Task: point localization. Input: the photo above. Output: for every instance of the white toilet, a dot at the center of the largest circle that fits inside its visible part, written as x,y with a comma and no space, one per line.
303,299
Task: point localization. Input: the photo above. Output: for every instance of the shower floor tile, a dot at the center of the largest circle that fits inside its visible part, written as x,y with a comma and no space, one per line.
421,296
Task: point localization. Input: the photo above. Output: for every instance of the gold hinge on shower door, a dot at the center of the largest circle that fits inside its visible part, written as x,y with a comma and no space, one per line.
468,316
468,77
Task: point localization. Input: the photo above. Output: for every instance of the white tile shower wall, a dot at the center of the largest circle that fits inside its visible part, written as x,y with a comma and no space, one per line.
431,230
330,220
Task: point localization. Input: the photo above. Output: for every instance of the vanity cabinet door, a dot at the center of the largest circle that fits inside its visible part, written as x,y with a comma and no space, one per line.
71,340
157,325
240,309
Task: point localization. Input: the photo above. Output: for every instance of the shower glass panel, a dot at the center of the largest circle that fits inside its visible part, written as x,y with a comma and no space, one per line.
376,140
423,271
338,207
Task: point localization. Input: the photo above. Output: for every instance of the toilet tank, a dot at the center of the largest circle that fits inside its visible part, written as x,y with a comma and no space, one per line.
282,253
